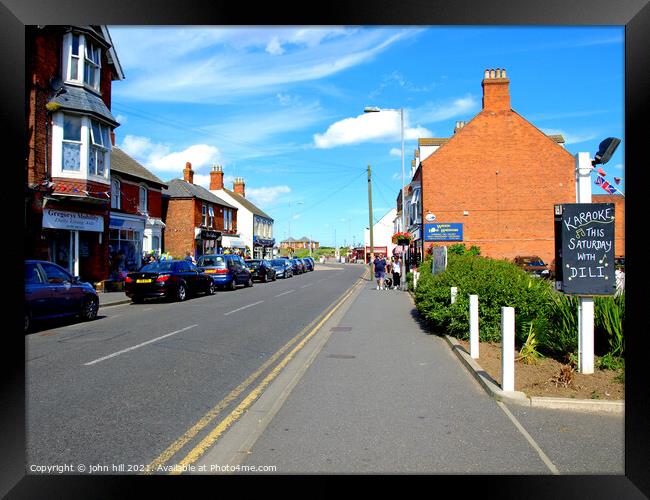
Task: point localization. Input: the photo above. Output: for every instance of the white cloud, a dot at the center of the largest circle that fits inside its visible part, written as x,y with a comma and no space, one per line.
396,176
432,113
265,196
395,152
212,65
159,157
382,126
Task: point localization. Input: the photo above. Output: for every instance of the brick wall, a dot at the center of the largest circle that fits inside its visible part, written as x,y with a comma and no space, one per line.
181,219
508,175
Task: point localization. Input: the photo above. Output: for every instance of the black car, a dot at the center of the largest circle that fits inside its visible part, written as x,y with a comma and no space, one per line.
261,270
52,292
174,279
298,266
283,268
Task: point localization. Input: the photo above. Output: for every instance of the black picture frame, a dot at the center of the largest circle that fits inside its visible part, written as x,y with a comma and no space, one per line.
633,14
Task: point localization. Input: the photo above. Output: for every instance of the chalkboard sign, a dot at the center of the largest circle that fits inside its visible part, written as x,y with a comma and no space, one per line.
584,248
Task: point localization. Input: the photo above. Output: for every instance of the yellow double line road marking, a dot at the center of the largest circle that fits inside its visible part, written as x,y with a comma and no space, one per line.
203,446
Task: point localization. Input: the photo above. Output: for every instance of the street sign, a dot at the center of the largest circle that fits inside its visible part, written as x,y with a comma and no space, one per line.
584,248
443,232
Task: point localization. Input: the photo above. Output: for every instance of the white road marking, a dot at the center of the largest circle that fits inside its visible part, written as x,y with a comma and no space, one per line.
305,286
139,345
542,455
244,307
284,293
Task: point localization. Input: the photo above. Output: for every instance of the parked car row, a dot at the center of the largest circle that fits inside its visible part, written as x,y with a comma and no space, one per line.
52,292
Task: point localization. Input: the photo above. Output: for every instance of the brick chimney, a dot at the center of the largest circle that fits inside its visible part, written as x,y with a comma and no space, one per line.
188,173
113,137
238,186
216,178
496,94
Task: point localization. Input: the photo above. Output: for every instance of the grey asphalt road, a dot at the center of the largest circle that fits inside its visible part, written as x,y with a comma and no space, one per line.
121,389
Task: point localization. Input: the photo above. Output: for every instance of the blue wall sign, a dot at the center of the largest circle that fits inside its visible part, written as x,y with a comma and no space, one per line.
443,232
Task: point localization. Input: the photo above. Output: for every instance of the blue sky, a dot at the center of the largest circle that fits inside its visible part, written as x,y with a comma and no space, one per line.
283,106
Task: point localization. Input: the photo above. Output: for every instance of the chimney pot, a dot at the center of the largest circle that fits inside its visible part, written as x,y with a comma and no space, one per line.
216,178
496,93
188,173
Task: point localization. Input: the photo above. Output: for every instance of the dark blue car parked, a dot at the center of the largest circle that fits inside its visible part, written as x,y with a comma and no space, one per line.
52,292
227,270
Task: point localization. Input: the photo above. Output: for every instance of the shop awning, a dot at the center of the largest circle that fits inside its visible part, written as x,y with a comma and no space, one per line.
232,242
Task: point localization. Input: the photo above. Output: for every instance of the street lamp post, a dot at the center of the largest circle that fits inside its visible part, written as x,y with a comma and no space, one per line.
373,109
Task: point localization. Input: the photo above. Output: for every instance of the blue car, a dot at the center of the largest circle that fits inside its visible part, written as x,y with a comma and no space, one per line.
52,292
227,270
309,264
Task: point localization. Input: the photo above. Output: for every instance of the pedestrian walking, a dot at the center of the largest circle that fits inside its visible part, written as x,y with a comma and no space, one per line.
380,270
396,273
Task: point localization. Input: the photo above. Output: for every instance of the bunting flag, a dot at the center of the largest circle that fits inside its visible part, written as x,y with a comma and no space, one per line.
601,172
617,180
600,181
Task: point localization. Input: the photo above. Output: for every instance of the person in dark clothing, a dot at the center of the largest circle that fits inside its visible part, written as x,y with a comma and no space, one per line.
380,270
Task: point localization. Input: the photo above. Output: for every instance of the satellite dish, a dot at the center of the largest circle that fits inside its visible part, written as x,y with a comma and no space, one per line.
606,150
56,83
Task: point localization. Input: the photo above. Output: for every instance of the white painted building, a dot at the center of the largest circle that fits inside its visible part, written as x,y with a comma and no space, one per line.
383,231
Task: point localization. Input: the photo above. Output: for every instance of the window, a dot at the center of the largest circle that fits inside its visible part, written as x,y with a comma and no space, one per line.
210,216
116,197
99,148
92,65
142,205
71,143
82,61
55,274
155,244
32,276
204,214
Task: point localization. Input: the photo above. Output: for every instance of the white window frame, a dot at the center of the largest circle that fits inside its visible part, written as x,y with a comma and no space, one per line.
82,61
58,119
98,145
210,216
116,194
143,202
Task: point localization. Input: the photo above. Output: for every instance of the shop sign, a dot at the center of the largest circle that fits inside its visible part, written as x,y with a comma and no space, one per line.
208,234
72,221
443,232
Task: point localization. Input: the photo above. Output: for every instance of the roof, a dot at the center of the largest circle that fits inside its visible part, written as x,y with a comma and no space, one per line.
124,164
178,188
247,204
439,141
75,98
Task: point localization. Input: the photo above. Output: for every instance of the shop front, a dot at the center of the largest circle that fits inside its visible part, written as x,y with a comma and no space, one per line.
73,239
126,234
153,230
263,247
207,241
233,244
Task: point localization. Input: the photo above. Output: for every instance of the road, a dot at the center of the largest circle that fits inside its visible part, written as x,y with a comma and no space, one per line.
141,385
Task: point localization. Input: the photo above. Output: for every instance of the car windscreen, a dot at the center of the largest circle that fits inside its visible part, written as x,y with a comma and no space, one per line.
211,261
157,267
278,262
253,264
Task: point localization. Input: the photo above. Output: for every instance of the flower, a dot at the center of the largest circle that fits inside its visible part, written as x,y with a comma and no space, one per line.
402,237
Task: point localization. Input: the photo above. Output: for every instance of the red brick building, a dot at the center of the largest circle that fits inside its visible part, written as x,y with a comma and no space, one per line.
70,70
619,219
195,219
136,225
496,180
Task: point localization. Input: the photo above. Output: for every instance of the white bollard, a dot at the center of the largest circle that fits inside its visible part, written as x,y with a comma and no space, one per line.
454,292
508,348
586,335
473,326
416,276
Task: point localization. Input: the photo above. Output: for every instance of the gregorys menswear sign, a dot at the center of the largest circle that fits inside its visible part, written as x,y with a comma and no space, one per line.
72,221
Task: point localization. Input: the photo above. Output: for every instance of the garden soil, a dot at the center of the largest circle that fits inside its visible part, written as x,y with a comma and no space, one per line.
552,378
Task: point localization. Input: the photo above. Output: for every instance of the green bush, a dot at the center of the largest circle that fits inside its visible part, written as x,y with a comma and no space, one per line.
497,283
609,320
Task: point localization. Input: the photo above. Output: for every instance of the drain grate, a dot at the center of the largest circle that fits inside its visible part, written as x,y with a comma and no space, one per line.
341,329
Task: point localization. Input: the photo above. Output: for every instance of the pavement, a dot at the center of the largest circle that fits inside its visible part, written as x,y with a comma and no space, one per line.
107,299
373,391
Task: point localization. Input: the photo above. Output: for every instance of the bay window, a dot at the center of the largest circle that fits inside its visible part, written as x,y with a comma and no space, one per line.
82,61
80,147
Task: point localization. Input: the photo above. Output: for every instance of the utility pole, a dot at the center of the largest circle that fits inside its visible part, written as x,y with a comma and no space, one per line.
372,241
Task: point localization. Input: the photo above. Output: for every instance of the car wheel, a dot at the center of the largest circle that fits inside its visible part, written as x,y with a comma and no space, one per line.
28,321
89,309
266,278
181,292
233,285
211,288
